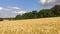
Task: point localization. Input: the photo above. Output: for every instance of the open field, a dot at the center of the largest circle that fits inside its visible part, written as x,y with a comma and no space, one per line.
32,26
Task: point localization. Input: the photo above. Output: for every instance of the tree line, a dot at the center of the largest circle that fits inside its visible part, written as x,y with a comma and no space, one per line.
52,12
44,13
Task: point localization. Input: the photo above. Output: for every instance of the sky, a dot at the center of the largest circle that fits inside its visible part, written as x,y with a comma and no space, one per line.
11,8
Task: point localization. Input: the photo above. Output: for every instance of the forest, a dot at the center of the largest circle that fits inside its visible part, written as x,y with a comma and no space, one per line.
44,13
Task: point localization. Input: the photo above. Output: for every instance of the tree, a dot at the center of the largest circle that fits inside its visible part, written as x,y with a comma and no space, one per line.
45,13
35,14
56,9
26,15
1,19
18,17
29,15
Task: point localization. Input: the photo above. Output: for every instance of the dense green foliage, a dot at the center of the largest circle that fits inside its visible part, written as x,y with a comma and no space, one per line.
56,10
45,13
29,15
53,12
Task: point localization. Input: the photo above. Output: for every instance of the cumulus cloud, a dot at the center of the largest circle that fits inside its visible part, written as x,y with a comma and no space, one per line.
43,1
14,8
20,12
49,2
10,12
1,8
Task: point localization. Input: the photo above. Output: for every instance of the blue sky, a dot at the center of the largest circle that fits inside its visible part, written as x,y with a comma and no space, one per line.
27,5
11,8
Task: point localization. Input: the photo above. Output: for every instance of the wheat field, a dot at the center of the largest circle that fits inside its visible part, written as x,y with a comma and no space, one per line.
31,26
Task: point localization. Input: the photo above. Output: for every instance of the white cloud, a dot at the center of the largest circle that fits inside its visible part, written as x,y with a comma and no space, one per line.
14,8
43,1
49,2
6,9
1,8
21,12
10,12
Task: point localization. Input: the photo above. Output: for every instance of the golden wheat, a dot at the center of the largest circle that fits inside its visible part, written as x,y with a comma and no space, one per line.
32,26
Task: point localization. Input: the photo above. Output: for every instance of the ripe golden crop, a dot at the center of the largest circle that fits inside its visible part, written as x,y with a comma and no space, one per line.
31,26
